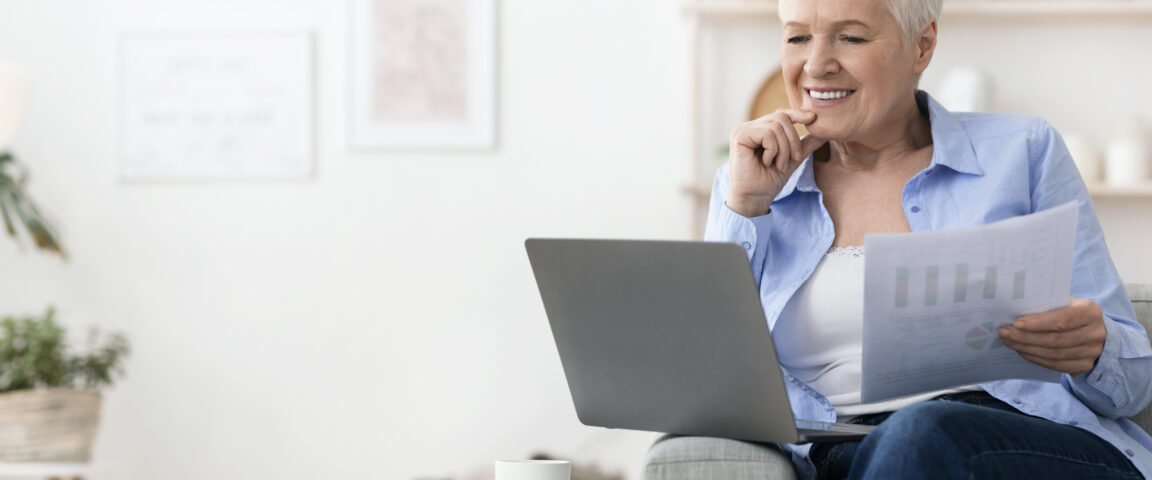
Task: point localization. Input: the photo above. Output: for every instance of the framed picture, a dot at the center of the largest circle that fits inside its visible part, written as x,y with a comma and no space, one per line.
423,74
216,105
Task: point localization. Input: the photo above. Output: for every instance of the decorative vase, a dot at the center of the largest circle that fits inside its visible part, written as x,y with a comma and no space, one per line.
13,102
1086,156
1128,153
966,90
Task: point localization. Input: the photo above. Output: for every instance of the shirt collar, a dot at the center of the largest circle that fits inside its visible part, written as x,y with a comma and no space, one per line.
952,147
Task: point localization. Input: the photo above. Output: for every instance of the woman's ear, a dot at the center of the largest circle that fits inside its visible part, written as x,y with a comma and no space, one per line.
925,45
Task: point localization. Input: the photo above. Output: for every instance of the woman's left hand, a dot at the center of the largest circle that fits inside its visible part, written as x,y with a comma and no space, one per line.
1067,339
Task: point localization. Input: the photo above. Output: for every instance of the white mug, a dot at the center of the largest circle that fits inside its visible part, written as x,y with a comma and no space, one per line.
533,470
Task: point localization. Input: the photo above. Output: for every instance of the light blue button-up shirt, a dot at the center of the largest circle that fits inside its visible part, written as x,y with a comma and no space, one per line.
985,167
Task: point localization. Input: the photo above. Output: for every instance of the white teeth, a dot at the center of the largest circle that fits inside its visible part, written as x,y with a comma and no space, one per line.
829,95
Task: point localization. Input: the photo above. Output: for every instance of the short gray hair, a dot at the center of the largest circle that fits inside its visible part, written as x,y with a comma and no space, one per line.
913,15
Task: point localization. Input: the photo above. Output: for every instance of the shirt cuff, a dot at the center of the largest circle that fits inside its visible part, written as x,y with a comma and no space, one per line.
725,225
1106,377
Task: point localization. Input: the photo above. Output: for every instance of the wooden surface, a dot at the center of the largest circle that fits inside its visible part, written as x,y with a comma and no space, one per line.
48,425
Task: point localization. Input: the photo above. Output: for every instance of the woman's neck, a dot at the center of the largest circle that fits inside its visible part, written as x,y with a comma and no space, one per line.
887,147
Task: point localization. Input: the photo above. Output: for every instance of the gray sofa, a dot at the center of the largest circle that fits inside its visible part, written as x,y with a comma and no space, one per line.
677,458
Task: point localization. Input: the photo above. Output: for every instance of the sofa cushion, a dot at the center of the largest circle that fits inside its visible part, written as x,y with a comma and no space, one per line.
675,457
1141,295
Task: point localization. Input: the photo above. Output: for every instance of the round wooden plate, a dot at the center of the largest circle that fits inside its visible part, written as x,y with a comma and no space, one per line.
771,97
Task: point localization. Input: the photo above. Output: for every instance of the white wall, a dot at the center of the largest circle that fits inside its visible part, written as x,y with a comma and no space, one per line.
380,321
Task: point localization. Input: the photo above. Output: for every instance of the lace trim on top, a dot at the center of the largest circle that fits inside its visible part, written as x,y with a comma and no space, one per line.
849,251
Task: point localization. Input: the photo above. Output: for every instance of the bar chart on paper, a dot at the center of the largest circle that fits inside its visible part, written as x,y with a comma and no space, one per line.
977,274
934,301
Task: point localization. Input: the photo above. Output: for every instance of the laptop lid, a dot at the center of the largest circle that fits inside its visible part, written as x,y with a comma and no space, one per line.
663,336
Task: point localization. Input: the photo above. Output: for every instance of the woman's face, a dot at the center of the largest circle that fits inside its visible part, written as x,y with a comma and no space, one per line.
845,60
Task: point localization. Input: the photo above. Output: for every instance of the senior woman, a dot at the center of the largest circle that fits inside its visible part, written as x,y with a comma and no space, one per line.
884,157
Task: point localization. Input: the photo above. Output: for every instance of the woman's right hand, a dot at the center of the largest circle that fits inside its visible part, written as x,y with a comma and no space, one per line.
763,154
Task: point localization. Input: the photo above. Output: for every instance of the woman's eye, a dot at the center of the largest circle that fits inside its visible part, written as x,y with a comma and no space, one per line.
796,39
851,39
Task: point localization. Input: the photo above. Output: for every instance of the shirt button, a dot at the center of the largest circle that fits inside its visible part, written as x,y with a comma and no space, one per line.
747,246
915,209
1130,452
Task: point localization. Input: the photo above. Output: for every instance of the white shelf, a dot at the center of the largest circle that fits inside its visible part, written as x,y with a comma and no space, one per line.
24,470
1109,191
1034,9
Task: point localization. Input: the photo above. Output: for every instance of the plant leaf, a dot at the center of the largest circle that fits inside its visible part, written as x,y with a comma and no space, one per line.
13,198
30,218
8,226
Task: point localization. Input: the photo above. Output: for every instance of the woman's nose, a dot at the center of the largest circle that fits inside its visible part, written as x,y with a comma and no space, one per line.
821,62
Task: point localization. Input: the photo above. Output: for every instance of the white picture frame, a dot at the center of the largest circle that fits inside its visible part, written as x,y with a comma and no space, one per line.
423,74
216,105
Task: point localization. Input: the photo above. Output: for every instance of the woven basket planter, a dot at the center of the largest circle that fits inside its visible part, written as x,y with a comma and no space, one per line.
48,425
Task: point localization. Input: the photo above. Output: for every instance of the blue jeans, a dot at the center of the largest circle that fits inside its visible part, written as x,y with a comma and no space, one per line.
970,435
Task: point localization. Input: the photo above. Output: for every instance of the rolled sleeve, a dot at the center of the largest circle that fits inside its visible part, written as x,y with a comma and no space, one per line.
1120,384
1108,388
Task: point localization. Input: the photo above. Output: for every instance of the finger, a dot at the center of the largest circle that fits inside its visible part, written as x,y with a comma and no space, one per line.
1058,320
1071,367
1053,339
768,156
749,135
747,142
793,139
809,144
784,153
1055,354
803,117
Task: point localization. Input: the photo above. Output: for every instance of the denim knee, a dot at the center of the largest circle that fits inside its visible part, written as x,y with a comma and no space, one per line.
917,441
916,423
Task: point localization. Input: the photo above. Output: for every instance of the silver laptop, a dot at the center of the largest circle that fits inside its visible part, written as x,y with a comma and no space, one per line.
668,337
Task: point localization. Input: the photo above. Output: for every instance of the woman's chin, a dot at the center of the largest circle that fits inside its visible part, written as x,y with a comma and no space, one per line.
825,131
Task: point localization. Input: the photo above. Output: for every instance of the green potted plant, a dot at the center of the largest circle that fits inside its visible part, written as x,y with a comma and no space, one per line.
49,394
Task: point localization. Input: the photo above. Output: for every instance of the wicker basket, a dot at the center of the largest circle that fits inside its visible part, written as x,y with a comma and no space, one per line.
48,425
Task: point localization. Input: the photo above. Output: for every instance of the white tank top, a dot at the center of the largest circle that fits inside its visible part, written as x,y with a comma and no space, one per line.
819,335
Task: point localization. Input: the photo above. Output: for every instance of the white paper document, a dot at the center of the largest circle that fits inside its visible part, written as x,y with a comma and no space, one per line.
934,301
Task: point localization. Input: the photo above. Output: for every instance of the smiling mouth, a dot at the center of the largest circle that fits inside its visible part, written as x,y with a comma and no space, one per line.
833,95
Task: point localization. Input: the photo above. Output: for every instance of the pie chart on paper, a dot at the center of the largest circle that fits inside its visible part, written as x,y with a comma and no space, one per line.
983,337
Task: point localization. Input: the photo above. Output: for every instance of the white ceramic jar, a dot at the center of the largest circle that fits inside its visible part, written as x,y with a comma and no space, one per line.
1086,156
1129,158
